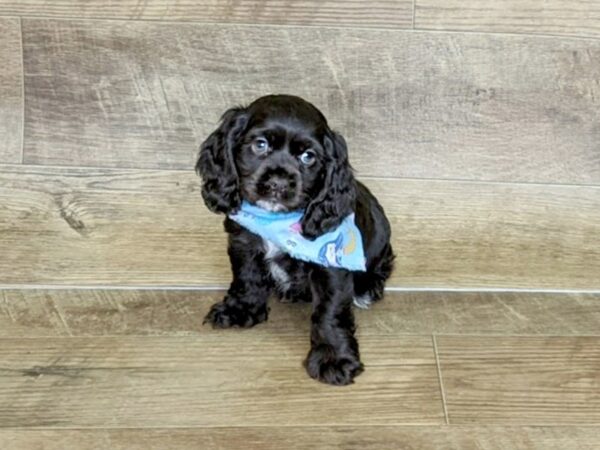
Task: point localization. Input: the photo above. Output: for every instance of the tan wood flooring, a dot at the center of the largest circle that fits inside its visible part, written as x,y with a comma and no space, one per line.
477,125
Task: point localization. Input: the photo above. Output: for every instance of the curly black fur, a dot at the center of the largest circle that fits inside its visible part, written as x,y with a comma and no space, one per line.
259,153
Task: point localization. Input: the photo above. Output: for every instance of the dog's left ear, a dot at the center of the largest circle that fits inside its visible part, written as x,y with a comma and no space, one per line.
337,197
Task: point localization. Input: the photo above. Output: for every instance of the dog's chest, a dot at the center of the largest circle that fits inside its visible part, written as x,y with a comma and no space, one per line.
279,275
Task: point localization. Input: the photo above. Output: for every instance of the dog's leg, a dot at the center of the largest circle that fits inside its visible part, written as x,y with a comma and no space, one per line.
245,304
333,357
369,286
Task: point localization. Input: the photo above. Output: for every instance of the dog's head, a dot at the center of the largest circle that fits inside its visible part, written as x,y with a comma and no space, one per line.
280,154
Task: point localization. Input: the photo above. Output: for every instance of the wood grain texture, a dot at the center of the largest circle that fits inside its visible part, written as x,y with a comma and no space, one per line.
485,313
459,106
11,90
566,17
140,227
123,227
219,379
379,13
314,438
521,380
58,312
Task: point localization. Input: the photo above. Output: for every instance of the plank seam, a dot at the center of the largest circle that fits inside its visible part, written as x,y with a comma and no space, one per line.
311,426
360,177
141,287
389,29
300,334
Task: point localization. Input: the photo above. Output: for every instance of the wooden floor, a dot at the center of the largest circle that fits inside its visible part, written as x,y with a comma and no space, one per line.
136,369
475,123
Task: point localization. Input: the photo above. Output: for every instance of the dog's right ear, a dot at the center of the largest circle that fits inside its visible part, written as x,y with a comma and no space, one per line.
216,165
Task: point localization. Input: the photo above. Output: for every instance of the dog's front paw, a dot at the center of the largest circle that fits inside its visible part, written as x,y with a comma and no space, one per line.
224,315
323,363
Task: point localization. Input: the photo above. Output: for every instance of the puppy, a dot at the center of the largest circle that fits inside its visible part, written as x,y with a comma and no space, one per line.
279,153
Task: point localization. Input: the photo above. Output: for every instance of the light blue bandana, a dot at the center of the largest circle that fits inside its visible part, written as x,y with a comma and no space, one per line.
342,247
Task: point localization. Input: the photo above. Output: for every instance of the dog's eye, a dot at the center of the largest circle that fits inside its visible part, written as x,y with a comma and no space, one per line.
260,146
308,158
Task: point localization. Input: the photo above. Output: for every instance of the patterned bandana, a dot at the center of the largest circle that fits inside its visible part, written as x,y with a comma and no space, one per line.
341,247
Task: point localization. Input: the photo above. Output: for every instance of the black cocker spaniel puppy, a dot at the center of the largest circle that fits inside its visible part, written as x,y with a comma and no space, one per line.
279,153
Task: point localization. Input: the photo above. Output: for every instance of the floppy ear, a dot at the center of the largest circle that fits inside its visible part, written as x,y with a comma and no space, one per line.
336,199
220,184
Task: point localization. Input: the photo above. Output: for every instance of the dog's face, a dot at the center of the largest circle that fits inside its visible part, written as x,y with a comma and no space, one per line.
280,154
280,157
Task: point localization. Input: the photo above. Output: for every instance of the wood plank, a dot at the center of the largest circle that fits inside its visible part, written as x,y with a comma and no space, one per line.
485,313
219,379
379,13
521,380
32,313
139,227
11,91
314,438
58,312
450,106
566,17
111,227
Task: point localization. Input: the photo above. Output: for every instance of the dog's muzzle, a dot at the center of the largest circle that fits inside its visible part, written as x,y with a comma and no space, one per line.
278,185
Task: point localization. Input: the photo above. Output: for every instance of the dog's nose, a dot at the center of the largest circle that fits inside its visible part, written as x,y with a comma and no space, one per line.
278,185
